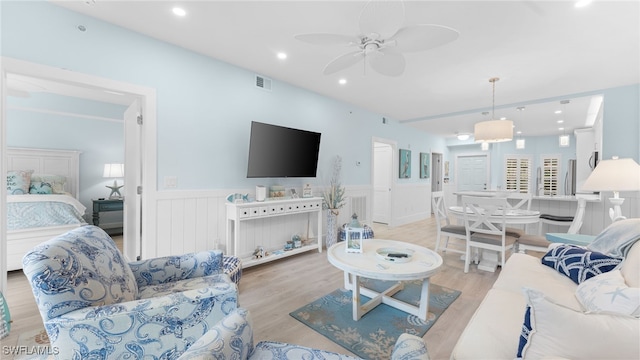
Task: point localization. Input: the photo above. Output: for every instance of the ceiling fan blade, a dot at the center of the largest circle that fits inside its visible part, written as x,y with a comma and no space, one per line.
328,39
387,63
423,37
343,62
381,19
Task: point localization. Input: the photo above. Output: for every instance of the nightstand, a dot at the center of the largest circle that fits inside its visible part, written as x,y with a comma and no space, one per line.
105,205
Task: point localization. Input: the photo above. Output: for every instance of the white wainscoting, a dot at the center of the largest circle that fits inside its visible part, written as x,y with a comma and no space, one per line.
195,220
411,202
188,221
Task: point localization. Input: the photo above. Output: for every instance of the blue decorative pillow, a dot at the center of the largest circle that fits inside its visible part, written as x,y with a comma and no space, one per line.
18,182
39,187
579,263
525,332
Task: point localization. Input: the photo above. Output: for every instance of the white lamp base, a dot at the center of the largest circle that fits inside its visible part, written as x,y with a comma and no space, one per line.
615,213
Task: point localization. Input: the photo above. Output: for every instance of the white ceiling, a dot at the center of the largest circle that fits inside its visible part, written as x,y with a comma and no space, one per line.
539,50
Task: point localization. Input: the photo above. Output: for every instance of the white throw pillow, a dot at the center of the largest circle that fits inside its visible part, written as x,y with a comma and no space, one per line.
558,331
608,293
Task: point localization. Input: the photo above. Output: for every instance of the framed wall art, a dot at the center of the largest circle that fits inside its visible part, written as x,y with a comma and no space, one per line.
405,164
424,166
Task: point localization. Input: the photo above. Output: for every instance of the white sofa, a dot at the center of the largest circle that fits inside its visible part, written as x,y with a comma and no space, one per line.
563,328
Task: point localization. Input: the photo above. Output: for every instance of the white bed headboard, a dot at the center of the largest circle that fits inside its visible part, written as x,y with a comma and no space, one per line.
48,161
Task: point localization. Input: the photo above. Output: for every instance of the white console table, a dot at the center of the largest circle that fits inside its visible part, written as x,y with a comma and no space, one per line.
242,214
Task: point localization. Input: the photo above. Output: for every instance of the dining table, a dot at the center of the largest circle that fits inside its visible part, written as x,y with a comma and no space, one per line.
489,260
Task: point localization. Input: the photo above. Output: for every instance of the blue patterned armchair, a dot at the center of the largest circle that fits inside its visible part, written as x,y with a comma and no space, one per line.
95,305
232,339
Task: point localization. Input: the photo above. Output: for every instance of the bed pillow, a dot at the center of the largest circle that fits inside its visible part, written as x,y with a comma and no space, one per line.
608,293
18,182
56,181
578,263
39,187
557,331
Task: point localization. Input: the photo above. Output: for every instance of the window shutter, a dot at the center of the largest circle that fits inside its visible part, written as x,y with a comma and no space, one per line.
550,175
517,173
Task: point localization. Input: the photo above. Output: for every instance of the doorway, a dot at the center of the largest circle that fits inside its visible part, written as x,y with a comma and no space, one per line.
382,180
140,149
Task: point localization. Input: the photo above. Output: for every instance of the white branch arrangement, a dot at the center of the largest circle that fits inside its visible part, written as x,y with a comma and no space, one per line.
333,199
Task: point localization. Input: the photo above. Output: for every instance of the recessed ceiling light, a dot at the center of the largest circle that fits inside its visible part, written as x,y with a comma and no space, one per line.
281,56
178,11
582,3
558,112
560,128
342,81
518,132
463,137
503,118
560,121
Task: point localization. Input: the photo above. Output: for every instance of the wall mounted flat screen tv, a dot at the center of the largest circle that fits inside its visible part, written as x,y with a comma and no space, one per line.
277,151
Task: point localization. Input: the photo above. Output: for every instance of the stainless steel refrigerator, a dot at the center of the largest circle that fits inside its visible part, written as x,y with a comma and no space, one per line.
570,178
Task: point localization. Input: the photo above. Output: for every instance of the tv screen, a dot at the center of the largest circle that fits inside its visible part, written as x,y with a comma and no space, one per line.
277,151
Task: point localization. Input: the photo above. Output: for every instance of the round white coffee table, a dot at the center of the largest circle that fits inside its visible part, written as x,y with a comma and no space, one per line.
421,265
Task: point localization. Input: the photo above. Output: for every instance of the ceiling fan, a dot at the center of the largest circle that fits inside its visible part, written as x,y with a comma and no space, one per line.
382,40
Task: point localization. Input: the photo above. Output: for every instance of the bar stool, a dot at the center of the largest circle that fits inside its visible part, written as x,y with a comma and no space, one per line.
573,222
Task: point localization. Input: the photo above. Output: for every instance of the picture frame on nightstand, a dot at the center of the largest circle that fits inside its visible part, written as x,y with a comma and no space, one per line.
353,239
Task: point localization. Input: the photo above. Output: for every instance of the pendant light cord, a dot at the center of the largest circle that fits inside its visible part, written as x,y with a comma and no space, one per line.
493,101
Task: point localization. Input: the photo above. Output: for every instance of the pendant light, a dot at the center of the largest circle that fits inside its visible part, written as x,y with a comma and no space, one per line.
493,130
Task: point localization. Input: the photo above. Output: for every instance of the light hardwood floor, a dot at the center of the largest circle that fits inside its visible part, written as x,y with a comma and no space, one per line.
271,291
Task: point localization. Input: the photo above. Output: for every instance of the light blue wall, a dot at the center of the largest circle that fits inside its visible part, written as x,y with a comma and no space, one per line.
205,106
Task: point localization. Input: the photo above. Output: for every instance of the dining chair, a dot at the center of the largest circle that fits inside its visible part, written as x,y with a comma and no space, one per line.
515,201
518,200
444,228
485,225
532,242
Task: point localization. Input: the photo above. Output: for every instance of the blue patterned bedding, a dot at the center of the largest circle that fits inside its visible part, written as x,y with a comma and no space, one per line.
35,211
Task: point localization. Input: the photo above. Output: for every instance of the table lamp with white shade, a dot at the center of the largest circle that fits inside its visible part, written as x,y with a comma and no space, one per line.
114,171
614,175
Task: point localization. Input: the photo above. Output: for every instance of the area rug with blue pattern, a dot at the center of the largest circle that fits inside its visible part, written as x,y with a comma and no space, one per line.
375,334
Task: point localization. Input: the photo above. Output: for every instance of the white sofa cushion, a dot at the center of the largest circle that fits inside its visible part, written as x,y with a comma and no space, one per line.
562,332
492,332
608,293
523,270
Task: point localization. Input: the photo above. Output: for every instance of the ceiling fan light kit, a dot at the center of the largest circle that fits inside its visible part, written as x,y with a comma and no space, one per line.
493,131
382,40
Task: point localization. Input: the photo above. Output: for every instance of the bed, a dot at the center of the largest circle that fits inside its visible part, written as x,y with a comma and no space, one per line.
48,207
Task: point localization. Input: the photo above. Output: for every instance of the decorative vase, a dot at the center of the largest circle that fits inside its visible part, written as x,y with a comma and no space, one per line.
332,230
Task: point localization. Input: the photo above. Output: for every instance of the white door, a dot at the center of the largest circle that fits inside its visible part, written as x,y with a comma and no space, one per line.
382,182
133,179
472,173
